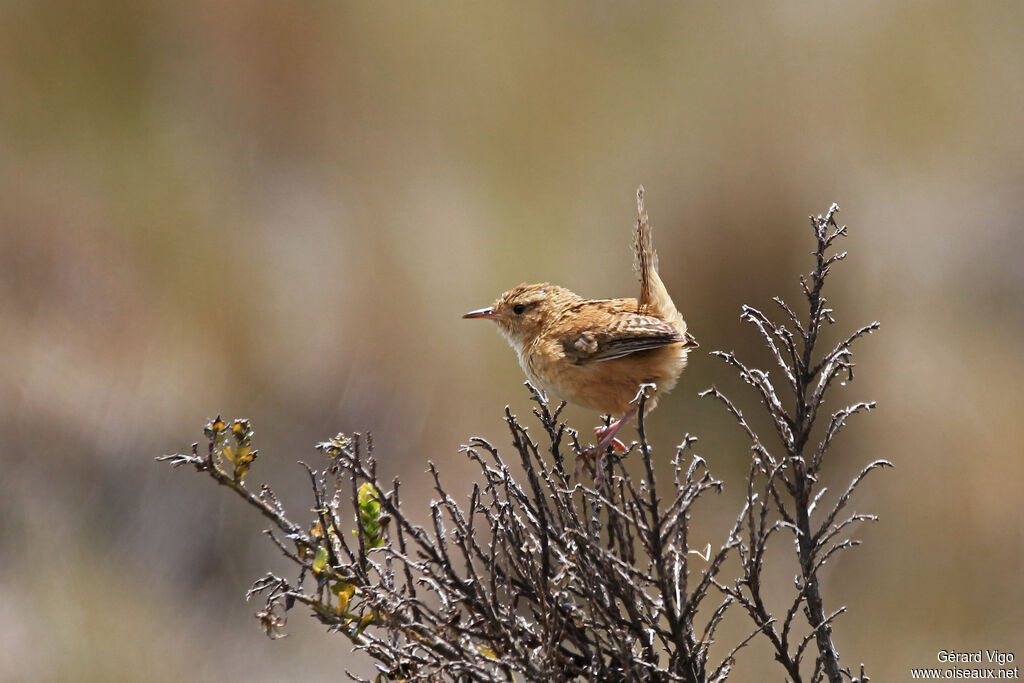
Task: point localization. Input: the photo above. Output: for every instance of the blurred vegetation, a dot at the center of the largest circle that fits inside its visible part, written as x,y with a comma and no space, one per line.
281,210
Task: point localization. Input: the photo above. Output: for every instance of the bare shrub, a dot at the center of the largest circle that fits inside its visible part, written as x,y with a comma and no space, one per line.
550,577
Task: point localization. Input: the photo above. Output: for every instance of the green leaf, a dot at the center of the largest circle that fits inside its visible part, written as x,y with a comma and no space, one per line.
320,560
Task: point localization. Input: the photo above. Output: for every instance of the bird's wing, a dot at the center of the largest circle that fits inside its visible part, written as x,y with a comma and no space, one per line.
619,334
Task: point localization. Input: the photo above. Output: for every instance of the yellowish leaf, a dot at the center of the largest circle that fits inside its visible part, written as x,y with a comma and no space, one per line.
320,560
344,590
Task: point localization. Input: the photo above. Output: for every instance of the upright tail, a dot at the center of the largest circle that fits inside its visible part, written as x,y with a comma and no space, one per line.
645,259
654,297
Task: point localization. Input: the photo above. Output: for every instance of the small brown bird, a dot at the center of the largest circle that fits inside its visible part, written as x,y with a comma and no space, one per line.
597,352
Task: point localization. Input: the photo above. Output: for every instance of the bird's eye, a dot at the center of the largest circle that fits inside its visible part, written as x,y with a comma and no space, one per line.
518,309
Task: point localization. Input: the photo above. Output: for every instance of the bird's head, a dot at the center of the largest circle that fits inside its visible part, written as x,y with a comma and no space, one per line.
522,312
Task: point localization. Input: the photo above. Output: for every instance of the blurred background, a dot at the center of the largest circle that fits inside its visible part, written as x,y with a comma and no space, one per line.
280,210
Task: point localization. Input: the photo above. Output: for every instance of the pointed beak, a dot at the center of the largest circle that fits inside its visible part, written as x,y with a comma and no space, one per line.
480,313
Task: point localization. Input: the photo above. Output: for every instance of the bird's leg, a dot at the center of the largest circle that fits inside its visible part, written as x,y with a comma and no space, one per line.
606,435
605,438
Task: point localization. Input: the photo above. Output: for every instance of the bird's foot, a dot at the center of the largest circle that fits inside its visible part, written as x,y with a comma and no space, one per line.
606,435
602,434
594,456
